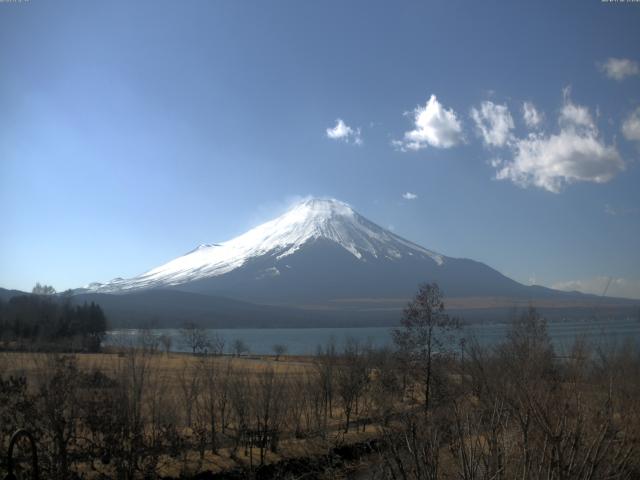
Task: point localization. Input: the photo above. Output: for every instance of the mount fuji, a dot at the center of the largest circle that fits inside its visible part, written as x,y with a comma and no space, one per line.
322,258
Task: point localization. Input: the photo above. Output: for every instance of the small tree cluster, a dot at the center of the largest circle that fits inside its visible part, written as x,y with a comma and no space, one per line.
49,319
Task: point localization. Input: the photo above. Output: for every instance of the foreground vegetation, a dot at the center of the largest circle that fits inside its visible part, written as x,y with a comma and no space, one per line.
430,408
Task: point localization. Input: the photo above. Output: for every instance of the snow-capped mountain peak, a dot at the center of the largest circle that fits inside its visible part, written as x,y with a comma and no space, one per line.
307,221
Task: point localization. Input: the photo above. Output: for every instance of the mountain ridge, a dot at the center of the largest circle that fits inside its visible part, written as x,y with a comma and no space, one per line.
309,220
321,251
320,264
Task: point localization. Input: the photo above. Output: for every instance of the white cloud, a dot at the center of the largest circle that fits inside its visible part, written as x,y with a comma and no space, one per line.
409,196
618,287
576,153
631,126
620,68
531,116
494,123
434,125
495,162
344,132
574,116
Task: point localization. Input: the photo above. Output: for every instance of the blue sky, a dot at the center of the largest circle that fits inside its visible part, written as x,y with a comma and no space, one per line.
132,131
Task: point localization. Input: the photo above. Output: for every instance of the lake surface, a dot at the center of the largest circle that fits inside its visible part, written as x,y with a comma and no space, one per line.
301,341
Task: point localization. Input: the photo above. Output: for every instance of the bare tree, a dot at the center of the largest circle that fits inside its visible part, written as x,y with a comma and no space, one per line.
279,349
413,452
424,334
148,341
385,388
216,344
311,401
325,362
209,372
223,385
189,380
195,338
297,403
351,379
239,347
133,376
59,409
239,388
268,410
166,341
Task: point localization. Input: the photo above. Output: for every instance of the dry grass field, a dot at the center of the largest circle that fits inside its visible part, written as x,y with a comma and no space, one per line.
174,390
168,365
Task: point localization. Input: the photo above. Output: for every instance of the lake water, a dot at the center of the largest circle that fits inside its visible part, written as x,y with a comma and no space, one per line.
301,341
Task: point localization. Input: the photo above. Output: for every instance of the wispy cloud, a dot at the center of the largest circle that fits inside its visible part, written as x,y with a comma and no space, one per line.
617,211
631,126
577,153
342,131
409,196
435,126
573,116
493,122
531,116
620,68
614,287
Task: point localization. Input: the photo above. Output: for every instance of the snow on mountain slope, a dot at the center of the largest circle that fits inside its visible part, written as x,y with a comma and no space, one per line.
309,220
